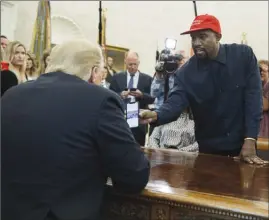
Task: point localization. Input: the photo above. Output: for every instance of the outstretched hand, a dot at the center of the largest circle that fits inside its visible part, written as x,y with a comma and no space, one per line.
248,154
147,116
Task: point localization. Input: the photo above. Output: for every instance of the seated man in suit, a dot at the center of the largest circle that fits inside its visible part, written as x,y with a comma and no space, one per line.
62,138
121,83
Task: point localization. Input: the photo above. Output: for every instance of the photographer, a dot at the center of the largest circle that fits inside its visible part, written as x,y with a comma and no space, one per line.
178,134
163,81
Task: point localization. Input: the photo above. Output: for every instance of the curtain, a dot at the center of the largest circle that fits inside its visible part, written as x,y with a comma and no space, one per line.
104,34
41,39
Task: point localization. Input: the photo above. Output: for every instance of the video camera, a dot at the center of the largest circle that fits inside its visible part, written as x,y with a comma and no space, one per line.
167,61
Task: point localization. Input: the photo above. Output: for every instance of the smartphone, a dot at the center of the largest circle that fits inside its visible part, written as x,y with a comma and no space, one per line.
133,89
132,114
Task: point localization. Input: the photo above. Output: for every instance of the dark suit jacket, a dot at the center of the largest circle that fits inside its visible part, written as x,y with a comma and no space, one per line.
61,139
119,83
8,79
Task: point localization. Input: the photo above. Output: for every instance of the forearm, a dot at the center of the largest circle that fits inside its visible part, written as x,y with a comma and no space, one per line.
253,114
132,180
147,98
253,96
172,108
121,157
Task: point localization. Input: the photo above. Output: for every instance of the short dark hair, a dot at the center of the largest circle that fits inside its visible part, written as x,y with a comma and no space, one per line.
3,36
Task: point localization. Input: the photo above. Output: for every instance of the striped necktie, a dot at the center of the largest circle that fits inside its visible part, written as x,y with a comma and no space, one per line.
131,82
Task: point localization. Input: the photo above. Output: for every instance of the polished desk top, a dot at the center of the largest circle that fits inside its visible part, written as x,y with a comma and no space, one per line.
207,180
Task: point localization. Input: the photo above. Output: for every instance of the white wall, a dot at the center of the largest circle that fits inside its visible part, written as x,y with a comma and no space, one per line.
241,16
8,23
142,25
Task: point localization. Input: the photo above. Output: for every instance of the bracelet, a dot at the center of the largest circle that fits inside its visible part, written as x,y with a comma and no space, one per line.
252,139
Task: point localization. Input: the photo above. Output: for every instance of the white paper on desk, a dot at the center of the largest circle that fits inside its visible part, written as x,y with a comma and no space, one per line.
132,114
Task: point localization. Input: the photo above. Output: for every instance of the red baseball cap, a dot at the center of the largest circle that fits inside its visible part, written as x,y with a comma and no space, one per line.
203,22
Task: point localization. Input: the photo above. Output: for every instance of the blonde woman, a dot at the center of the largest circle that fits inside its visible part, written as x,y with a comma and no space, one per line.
31,66
62,137
16,57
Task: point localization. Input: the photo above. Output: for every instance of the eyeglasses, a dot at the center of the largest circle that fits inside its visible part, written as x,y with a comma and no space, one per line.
263,70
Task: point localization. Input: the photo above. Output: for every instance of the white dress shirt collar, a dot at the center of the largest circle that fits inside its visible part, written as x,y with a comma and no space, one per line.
136,78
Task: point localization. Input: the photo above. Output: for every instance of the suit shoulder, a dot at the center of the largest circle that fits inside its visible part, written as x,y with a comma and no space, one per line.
109,94
118,75
235,48
187,66
122,73
146,75
19,88
101,90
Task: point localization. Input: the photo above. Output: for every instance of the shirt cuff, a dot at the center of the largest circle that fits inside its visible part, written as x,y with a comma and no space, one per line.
249,138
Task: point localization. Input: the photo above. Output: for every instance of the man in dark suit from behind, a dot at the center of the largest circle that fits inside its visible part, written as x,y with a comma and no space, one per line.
62,138
122,82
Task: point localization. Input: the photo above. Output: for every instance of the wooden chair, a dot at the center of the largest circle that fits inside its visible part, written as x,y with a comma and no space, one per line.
263,144
263,148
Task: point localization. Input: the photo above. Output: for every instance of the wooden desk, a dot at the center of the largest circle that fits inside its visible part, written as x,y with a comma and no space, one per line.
189,187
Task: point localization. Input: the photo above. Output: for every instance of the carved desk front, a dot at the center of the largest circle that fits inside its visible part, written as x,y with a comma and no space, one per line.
190,186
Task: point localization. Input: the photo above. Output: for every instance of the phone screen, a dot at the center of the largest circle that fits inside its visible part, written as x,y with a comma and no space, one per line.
132,114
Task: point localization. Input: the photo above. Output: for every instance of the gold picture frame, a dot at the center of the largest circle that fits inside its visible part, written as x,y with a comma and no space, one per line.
118,55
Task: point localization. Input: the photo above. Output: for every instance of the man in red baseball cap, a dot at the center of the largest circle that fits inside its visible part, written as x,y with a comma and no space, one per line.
221,84
204,22
206,34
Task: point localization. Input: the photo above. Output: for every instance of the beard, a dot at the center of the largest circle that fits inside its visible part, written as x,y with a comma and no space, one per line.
201,53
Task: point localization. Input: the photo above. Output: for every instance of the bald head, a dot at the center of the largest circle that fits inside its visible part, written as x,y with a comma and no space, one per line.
4,41
131,54
132,61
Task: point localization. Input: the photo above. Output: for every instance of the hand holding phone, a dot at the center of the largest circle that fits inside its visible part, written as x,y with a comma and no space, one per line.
124,94
136,93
